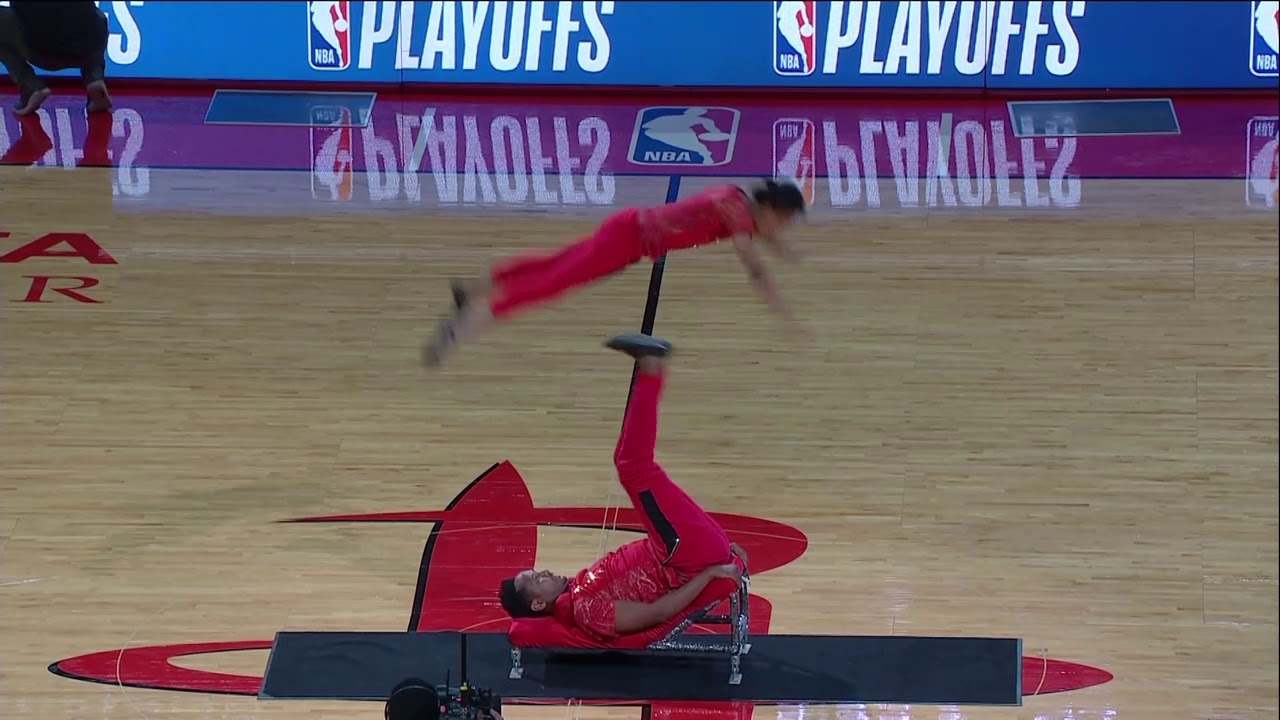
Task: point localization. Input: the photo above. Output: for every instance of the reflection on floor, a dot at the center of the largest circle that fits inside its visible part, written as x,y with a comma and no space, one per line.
1041,400
588,157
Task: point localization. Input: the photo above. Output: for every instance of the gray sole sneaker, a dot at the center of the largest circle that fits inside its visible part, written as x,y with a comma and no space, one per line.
639,345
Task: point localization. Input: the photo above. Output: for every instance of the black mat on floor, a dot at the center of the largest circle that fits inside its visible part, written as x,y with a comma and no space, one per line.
779,669
357,665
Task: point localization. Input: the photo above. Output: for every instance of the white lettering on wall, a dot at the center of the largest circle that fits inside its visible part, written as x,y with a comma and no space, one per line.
989,37
503,160
482,34
983,169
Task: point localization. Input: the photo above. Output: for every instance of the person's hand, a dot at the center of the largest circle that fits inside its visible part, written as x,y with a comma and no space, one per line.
736,549
790,253
728,570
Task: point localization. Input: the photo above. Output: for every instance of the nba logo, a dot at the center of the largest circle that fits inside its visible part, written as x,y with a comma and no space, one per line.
795,47
329,35
702,136
332,153
1262,162
794,149
1265,38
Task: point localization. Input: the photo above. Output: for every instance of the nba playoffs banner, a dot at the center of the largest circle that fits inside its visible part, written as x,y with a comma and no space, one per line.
1049,44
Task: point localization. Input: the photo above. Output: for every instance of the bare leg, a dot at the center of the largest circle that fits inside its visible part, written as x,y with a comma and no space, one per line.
474,318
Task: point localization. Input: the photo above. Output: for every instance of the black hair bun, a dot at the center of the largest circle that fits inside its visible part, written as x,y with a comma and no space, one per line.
782,195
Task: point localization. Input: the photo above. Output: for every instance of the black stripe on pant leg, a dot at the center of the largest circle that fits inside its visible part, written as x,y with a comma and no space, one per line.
666,531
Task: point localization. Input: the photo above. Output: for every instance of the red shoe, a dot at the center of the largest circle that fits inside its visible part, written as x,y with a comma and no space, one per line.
97,143
32,144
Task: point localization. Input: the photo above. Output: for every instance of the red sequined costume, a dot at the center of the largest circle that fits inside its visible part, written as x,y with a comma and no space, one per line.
624,238
682,541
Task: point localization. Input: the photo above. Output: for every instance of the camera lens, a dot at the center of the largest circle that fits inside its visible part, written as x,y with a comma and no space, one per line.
413,700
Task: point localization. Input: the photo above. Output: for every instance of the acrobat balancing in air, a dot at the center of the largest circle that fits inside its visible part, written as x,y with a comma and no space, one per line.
718,213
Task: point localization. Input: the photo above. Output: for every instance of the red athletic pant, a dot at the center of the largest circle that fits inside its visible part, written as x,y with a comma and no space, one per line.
692,539
524,281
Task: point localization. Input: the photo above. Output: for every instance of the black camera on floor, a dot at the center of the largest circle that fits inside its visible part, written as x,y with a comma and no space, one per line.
415,699
467,703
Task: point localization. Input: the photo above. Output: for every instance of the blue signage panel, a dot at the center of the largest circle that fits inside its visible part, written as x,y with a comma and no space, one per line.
1049,44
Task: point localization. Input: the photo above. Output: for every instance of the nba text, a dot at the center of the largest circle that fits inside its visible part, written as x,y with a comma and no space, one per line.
505,36
684,136
1263,157
1265,38
972,37
58,248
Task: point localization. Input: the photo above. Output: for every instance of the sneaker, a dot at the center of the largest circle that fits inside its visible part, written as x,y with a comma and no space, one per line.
639,345
460,294
446,340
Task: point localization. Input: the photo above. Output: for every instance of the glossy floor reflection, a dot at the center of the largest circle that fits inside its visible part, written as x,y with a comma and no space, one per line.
1041,401
589,157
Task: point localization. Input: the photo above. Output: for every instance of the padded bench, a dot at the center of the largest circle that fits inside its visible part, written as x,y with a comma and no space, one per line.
544,633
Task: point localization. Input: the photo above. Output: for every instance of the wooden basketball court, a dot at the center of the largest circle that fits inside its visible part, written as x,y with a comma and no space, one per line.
1059,426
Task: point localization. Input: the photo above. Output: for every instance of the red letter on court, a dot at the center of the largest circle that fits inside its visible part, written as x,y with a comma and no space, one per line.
82,246
40,283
